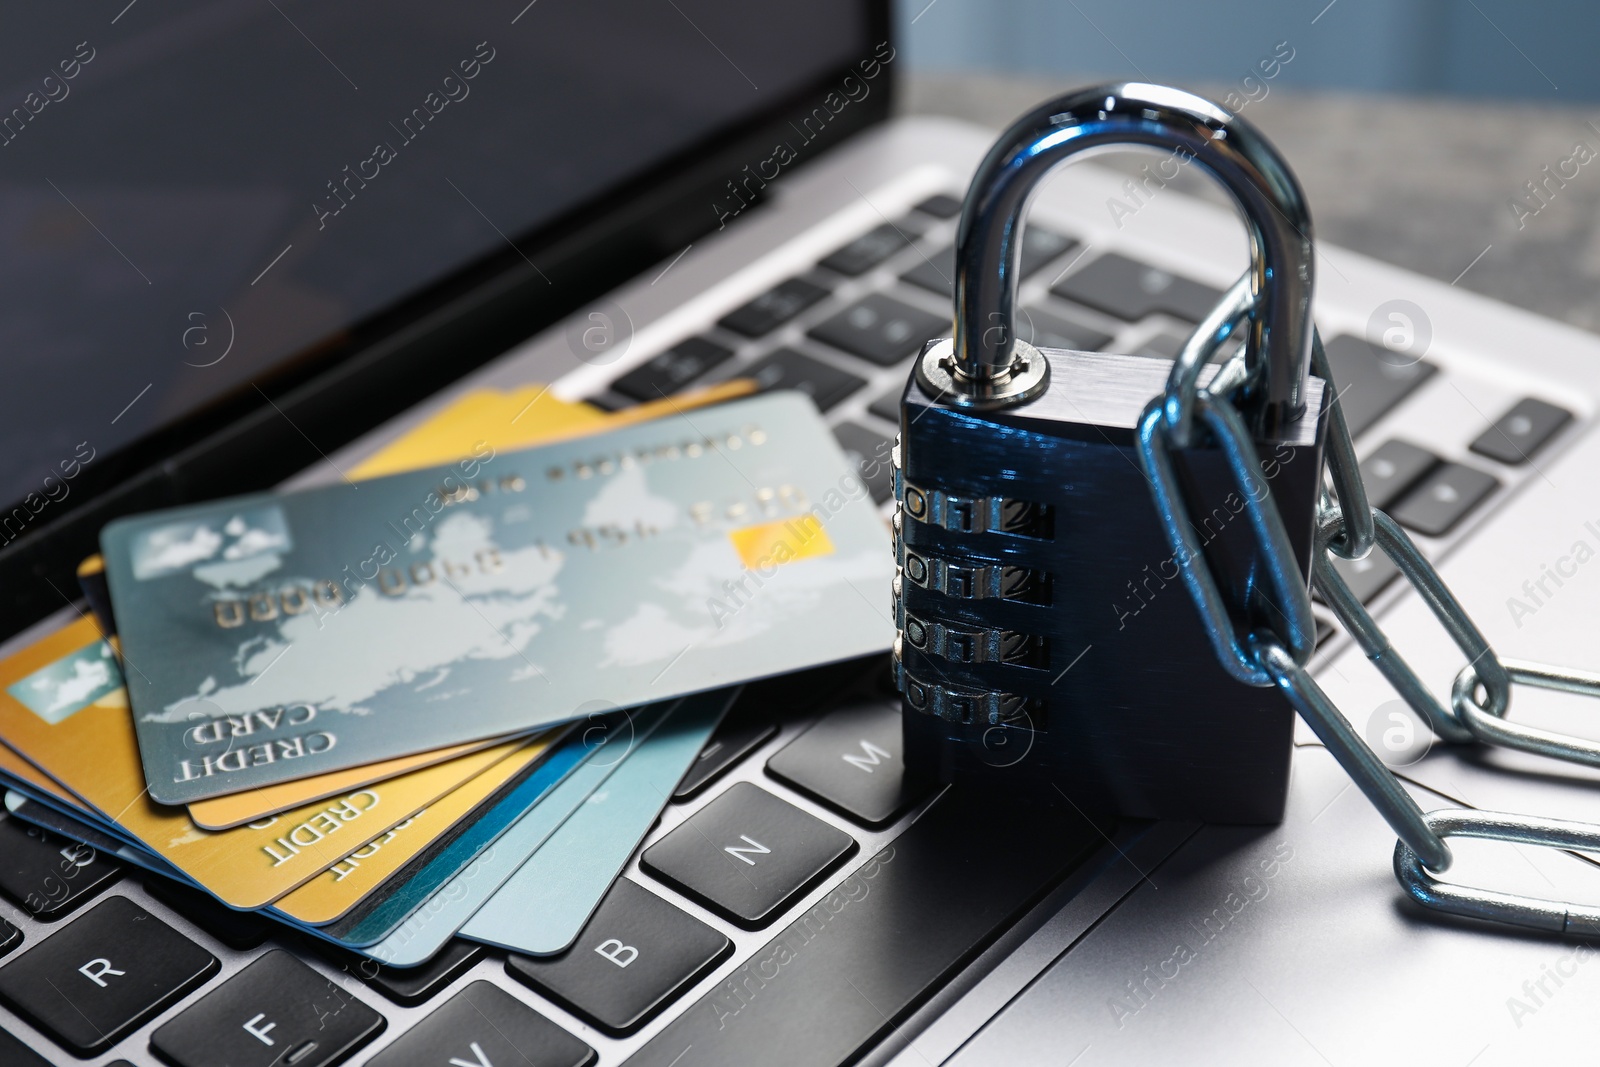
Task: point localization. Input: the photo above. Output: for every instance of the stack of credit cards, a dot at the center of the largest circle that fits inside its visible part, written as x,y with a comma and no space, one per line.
382,711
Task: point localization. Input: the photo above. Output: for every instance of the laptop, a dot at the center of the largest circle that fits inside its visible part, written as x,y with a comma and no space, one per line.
248,244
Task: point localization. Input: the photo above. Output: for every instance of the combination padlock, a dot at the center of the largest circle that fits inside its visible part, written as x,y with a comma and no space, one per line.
1044,630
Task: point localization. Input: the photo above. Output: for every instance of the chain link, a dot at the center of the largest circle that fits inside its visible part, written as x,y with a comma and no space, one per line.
1486,724
1552,916
1348,527
1395,544
1292,602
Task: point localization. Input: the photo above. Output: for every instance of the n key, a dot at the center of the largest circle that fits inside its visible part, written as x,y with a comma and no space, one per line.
747,853
103,975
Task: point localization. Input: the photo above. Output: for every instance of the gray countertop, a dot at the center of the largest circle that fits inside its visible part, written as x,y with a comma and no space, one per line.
1425,184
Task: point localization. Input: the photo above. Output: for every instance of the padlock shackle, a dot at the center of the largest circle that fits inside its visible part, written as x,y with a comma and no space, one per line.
1116,116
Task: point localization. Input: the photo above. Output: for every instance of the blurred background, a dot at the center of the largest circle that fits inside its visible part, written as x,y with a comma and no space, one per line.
1418,128
1478,48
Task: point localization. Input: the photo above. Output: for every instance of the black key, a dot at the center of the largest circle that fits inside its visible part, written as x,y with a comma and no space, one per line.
407,986
733,741
484,1025
47,874
13,1053
850,968
887,406
608,401
10,937
106,973
788,369
880,329
275,1011
868,250
870,453
1163,345
1394,467
636,955
1131,290
1366,577
747,854
1522,431
1040,246
672,369
773,308
236,929
940,206
1442,498
1045,329
1371,379
851,760
938,271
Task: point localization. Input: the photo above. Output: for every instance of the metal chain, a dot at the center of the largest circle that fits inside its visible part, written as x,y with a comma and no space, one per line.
1347,526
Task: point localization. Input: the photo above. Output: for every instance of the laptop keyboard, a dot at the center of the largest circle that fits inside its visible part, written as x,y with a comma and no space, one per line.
786,827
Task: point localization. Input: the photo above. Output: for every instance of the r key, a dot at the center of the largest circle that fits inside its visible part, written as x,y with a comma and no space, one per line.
105,974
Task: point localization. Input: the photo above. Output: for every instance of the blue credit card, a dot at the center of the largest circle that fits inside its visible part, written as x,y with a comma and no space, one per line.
279,636
47,813
430,927
542,908
374,921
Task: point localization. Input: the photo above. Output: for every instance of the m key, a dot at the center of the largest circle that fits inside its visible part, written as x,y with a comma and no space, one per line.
747,854
852,761
105,974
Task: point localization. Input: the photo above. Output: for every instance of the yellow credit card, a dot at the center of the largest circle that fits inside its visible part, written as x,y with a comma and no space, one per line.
236,809
503,420
32,777
331,894
62,706
522,418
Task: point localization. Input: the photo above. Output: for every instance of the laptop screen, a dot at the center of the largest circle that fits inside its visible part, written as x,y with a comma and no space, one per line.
193,194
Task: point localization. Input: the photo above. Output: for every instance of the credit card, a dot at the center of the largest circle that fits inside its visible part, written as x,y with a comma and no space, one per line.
62,707
518,418
333,893
370,925
37,812
273,637
236,809
16,768
522,418
515,418
543,907
226,812
432,924
504,420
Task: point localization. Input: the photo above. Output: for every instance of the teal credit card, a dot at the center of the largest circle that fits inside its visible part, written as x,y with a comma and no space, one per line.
602,744
542,908
278,636
430,927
